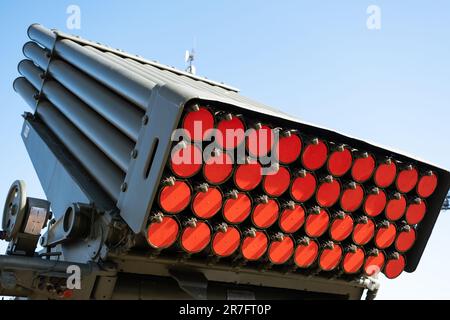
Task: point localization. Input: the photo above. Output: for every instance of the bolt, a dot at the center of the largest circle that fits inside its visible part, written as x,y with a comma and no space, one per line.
123,187
145,120
134,153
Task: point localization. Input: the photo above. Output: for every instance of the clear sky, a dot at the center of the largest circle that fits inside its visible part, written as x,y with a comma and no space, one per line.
316,60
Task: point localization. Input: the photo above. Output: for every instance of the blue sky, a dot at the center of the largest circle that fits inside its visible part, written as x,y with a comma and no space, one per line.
316,60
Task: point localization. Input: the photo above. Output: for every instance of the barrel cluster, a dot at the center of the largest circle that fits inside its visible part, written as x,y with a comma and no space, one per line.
322,206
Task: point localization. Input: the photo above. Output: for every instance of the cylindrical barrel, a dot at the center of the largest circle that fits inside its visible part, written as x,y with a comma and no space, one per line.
26,90
95,63
121,113
41,35
32,73
114,144
40,56
95,162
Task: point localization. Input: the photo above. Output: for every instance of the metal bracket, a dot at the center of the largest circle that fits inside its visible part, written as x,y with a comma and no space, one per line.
193,283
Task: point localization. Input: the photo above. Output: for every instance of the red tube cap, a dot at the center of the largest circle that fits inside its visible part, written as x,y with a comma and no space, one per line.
363,168
363,232
385,237
341,229
195,239
395,208
306,254
328,193
407,180
248,176
289,148
176,198
276,184
374,264
352,198
427,185
394,267
186,162
375,203
315,155
233,133
253,248
385,174
281,251
339,162
416,212
317,223
197,123
260,141
291,220
405,240
224,244
161,235
205,205
353,261
235,211
330,258
303,188
218,168
265,215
